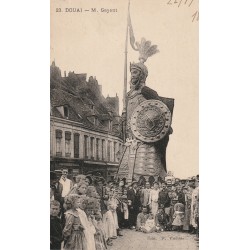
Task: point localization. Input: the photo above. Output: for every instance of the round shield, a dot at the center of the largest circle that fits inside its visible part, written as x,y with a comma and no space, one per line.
150,121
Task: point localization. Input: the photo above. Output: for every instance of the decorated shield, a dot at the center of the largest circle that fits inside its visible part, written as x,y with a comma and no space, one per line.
150,121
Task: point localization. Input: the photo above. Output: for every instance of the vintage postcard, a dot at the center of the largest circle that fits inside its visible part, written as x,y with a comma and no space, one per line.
124,132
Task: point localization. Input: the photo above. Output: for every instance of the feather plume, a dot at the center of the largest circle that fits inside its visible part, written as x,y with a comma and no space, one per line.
146,49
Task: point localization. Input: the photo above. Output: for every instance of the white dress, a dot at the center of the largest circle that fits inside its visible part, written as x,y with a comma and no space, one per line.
150,223
109,224
153,200
114,204
89,230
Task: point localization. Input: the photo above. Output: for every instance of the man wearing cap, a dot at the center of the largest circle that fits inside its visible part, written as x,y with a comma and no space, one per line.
66,183
134,204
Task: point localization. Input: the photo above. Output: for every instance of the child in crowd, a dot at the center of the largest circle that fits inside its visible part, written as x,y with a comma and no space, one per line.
108,223
150,225
90,225
90,245
174,200
113,202
161,219
55,226
178,217
112,222
73,231
125,210
100,241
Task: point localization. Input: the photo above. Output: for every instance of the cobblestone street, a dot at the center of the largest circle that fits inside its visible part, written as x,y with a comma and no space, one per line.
133,240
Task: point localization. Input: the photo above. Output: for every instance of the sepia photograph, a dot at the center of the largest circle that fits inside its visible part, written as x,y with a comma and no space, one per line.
124,124
131,110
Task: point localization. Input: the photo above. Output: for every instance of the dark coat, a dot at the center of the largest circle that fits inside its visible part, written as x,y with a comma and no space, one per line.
161,219
181,197
164,198
56,237
135,199
57,191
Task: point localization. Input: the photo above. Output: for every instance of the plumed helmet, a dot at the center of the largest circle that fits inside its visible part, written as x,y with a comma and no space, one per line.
141,67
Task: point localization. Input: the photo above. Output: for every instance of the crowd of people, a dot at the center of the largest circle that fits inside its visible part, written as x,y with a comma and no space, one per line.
88,214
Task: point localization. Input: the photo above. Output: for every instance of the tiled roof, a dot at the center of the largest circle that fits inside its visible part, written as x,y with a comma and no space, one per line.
80,102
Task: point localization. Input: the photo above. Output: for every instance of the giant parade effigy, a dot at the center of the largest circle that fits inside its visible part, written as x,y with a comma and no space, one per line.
148,124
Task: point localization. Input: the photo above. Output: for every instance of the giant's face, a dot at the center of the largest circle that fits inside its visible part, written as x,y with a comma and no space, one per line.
135,78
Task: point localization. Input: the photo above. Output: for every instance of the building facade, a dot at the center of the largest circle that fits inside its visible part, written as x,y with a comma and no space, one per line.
85,127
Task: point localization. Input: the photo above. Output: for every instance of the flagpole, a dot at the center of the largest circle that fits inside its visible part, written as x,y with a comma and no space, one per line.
124,112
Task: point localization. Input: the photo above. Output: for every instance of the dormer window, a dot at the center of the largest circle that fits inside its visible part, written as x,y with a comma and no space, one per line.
66,112
110,124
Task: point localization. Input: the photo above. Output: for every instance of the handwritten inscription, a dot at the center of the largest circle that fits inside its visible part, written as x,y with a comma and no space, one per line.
180,2
187,3
195,16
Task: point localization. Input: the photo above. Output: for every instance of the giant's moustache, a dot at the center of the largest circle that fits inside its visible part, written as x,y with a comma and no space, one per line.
134,81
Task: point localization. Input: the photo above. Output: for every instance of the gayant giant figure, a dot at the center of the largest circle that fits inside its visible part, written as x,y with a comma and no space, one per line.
148,125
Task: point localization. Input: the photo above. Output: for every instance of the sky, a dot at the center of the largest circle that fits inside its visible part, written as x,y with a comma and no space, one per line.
94,43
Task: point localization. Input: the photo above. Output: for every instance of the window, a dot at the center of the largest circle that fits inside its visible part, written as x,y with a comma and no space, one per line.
67,144
103,150
115,158
76,145
108,150
66,112
58,143
86,146
97,149
92,148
